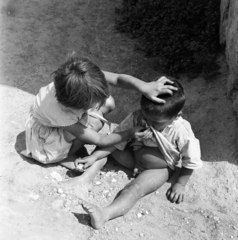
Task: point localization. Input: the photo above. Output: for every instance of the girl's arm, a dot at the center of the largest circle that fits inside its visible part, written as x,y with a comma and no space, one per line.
150,89
95,156
87,135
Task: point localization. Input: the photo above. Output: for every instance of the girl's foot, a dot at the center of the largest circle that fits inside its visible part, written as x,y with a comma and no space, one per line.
75,182
96,214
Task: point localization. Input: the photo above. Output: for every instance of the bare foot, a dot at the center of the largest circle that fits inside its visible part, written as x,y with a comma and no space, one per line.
75,182
96,214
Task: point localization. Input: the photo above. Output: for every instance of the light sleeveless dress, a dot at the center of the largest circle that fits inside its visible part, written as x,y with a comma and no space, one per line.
46,139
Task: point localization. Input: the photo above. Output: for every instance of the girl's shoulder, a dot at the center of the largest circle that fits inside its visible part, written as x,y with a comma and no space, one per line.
51,111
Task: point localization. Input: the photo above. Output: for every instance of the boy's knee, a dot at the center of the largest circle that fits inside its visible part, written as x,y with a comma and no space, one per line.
135,189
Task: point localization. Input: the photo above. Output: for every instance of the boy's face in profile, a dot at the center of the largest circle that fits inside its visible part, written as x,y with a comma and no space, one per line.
159,122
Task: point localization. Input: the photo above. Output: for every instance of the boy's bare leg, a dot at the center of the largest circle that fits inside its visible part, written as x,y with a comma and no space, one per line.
146,183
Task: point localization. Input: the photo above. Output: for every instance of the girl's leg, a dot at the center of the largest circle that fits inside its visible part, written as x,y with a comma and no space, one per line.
90,173
146,183
69,161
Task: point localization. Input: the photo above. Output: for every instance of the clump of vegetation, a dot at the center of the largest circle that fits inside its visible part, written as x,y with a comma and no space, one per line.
183,34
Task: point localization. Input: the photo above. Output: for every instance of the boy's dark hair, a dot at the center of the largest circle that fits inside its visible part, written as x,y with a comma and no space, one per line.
174,103
80,84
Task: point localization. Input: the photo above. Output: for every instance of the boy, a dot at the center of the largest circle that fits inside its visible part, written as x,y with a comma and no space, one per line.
155,153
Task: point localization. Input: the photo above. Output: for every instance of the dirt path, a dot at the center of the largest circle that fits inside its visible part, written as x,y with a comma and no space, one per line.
35,38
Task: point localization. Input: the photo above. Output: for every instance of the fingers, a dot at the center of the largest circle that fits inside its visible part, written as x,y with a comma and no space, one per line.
158,100
78,161
164,80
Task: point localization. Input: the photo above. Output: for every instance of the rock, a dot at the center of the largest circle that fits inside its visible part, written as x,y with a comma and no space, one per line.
114,180
56,176
60,190
98,183
229,37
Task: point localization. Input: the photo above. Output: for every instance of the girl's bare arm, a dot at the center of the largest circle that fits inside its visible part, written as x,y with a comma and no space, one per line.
89,136
150,89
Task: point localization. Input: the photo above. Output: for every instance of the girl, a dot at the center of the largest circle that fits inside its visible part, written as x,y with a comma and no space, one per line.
68,113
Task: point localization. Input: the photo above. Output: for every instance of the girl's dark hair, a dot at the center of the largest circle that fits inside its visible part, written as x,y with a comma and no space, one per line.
174,103
80,84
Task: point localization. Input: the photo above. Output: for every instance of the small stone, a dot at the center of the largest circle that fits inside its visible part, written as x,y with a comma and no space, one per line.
98,183
60,190
63,195
117,229
80,167
141,235
139,215
56,176
114,180
67,203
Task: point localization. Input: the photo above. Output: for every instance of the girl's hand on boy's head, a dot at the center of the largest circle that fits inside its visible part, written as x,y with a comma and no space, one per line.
175,194
144,134
151,90
86,162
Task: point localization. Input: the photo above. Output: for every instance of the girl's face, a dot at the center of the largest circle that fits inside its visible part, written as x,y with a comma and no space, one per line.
157,122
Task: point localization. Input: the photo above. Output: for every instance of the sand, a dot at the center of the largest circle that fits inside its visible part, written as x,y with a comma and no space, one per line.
36,36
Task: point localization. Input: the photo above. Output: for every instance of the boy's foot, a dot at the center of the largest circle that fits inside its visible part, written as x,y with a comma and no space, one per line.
96,214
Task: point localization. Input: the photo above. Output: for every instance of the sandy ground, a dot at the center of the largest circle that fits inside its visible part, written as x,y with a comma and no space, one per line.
35,38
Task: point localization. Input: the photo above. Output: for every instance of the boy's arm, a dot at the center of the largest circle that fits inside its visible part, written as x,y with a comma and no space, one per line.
189,148
150,89
175,193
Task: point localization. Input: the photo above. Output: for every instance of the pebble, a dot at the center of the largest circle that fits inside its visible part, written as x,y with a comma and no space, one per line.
114,180
67,203
98,183
80,167
139,215
56,176
141,235
60,190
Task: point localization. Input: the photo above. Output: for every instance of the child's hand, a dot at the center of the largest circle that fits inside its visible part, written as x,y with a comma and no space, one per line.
175,194
145,134
86,162
151,90
135,130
